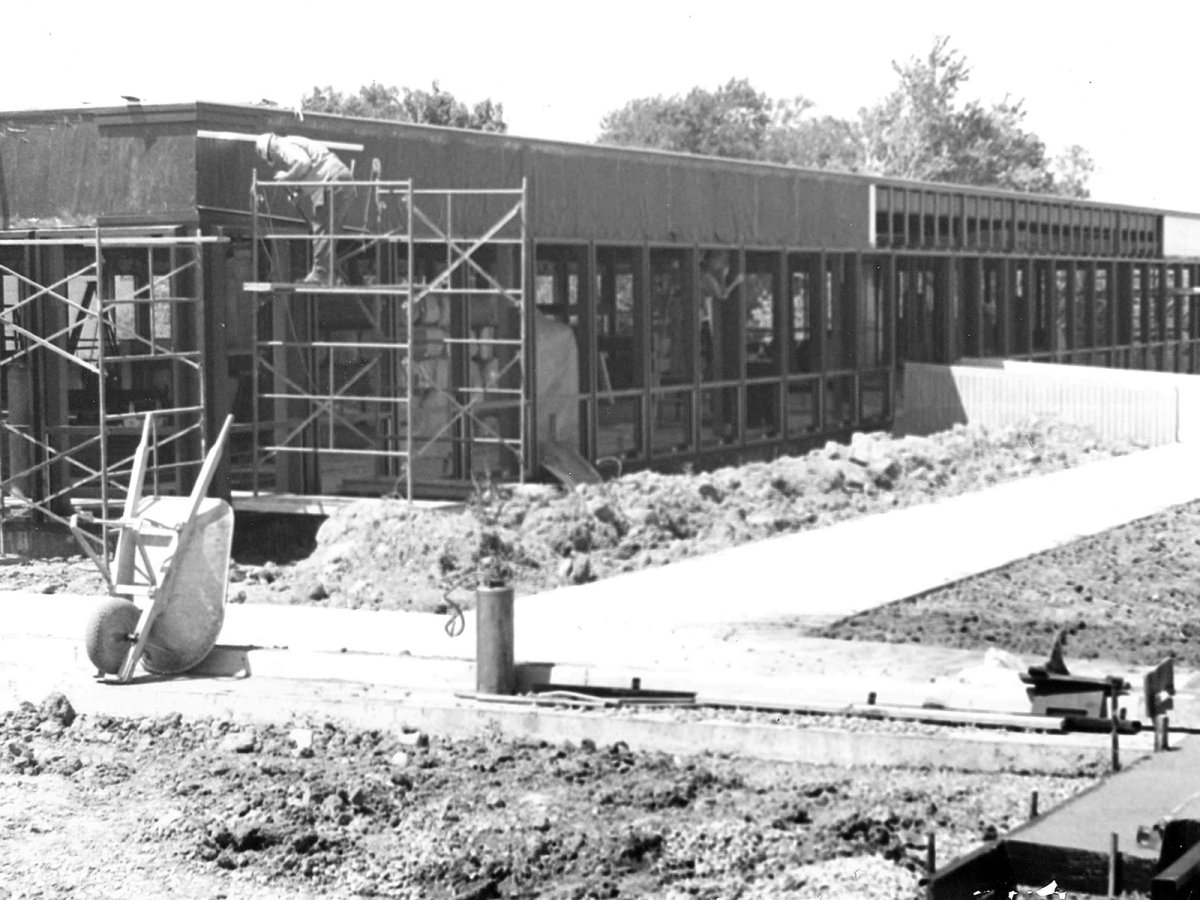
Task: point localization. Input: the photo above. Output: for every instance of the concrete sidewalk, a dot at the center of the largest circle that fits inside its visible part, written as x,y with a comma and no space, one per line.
728,623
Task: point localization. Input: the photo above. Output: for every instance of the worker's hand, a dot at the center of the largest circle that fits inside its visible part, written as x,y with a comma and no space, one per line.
280,176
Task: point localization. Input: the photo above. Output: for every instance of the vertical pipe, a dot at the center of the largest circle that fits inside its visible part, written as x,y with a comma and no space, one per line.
891,311
817,325
591,302
101,405
256,299
782,312
643,315
494,670
527,408
205,348
408,360
1114,855
697,361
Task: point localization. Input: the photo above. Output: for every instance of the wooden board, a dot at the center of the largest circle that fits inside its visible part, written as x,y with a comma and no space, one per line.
567,465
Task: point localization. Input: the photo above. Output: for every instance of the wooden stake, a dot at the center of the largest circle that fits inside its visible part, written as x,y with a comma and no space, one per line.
931,853
1116,748
1162,730
1033,805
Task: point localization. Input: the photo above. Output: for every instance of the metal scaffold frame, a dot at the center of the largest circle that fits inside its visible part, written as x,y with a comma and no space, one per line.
72,450
424,250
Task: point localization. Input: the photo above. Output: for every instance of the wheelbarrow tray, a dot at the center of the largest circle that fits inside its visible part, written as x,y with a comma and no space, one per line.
184,613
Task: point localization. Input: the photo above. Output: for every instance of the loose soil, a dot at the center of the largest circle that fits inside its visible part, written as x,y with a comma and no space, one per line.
1128,595
105,807
380,554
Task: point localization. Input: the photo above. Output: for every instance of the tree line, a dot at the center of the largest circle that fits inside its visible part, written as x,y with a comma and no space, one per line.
921,130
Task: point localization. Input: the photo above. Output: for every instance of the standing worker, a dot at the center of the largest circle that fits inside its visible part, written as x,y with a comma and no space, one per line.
301,159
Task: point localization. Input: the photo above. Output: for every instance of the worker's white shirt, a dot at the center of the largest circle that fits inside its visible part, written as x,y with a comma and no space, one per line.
315,162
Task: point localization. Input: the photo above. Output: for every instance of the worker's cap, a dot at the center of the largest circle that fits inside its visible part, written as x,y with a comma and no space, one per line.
263,146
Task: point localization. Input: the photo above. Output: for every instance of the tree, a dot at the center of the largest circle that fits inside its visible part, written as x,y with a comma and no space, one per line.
920,130
735,121
434,107
1072,168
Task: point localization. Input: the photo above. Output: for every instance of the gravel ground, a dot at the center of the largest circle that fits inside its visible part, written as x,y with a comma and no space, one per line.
214,808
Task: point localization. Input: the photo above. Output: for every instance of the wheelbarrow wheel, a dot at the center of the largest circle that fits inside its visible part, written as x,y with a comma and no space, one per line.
108,634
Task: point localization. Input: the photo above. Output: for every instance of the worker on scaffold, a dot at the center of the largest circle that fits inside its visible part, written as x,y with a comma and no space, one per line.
301,159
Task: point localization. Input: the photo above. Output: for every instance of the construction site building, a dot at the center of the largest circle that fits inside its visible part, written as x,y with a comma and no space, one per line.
505,304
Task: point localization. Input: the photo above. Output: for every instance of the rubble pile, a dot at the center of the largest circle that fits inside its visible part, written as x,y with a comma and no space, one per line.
378,554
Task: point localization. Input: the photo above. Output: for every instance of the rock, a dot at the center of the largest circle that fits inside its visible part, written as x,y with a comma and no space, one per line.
854,478
316,591
884,467
56,706
400,759
301,740
482,889
564,568
51,727
239,741
413,739
601,510
761,519
304,843
249,836
581,569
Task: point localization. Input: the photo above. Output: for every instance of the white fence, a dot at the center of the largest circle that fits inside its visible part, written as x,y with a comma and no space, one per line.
1154,408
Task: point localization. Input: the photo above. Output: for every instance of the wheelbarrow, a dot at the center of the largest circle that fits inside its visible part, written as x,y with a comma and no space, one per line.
168,578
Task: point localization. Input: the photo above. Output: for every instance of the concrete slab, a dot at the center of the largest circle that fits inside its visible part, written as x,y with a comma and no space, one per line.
283,700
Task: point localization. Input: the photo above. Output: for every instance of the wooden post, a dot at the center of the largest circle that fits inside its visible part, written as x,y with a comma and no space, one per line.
1033,805
1162,730
931,853
1116,732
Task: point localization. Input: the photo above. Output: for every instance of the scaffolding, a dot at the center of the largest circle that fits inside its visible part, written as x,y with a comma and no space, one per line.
399,369
99,328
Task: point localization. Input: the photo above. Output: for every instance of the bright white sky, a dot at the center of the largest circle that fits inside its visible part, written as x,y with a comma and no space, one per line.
1118,78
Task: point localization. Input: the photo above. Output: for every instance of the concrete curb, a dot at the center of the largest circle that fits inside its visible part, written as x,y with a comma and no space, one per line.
371,706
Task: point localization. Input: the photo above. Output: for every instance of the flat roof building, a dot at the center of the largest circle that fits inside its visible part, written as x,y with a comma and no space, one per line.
502,303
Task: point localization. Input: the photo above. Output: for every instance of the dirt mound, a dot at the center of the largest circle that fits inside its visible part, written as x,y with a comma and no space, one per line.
379,554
